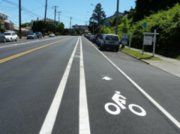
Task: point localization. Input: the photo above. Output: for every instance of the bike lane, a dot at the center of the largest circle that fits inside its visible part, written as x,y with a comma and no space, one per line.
102,80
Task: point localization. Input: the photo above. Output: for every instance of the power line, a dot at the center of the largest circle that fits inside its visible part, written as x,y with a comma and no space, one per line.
22,8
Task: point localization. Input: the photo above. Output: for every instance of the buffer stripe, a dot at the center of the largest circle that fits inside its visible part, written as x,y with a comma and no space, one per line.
84,126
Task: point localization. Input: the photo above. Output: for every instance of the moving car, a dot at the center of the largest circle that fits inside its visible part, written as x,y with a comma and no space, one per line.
39,34
32,36
10,36
51,35
110,41
2,38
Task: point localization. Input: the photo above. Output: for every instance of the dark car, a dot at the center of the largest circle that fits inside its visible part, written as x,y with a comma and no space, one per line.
39,34
2,38
96,37
32,36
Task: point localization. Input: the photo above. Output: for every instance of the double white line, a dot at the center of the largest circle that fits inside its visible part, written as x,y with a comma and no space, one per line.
84,127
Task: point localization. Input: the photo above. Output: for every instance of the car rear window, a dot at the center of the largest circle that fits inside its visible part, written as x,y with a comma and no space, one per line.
114,38
7,33
31,34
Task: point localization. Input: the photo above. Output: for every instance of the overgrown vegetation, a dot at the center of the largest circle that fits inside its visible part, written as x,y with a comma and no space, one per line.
146,7
167,23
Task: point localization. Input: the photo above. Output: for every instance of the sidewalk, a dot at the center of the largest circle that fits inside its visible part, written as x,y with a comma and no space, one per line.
167,64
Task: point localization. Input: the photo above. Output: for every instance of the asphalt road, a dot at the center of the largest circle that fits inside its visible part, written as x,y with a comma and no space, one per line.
65,85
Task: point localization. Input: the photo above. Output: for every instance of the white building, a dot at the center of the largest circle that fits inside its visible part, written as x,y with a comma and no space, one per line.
5,23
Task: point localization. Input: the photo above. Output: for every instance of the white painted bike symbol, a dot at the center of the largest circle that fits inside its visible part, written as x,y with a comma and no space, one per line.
120,103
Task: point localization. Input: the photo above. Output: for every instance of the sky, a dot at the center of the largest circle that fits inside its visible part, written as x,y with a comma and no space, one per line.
79,10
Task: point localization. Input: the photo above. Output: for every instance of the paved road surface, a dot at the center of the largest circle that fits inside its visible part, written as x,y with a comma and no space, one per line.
65,85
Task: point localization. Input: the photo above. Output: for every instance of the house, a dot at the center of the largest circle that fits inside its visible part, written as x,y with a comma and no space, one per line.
106,21
82,28
5,23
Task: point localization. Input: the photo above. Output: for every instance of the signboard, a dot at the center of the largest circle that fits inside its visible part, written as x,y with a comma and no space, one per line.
124,39
148,39
144,24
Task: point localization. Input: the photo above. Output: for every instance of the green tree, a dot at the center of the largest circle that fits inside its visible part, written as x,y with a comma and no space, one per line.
25,24
113,21
60,28
105,30
98,16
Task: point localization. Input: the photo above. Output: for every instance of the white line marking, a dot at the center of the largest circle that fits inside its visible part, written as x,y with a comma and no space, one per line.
49,121
84,126
142,91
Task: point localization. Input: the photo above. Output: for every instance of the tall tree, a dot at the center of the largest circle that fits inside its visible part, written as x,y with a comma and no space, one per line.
97,17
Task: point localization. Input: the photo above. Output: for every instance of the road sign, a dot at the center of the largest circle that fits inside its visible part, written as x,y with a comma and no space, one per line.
124,39
144,24
148,39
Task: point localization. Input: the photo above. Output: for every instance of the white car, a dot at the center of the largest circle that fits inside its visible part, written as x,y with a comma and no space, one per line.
51,35
10,36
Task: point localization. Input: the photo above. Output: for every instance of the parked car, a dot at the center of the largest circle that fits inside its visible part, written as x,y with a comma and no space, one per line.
98,41
110,41
91,38
96,37
2,38
39,34
32,36
51,35
10,36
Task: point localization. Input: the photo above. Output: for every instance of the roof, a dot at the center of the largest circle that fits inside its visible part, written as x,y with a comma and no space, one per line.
5,14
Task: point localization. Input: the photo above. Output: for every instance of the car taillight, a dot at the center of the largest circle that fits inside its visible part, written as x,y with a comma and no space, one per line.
104,42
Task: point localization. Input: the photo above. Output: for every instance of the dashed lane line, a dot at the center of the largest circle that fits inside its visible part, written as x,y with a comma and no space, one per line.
29,51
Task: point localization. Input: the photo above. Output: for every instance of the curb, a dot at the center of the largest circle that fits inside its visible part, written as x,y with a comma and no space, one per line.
135,57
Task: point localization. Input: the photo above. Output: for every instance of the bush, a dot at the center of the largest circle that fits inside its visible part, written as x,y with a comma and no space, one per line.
2,30
57,33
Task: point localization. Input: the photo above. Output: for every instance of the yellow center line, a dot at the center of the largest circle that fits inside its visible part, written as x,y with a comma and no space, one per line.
28,51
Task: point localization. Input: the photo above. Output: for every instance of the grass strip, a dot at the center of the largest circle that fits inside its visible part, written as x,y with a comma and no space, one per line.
139,55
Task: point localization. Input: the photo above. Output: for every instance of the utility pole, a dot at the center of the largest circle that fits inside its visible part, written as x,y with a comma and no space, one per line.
59,13
93,23
45,18
70,22
55,18
20,19
117,17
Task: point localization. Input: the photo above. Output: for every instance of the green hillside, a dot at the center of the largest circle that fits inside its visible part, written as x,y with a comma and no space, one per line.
167,23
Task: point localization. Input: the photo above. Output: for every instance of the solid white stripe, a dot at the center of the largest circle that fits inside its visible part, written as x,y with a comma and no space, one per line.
84,127
49,121
143,92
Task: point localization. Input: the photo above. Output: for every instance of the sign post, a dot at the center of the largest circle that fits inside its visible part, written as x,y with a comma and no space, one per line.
148,38
144,26
124,39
